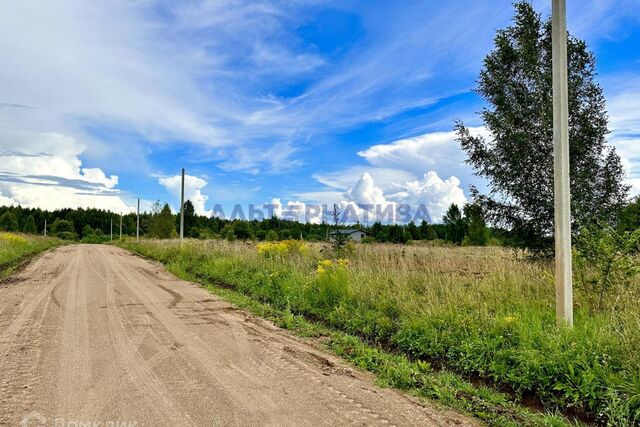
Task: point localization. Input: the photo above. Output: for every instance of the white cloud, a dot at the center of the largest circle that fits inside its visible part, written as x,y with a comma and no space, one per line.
7,201
193,186
434,192
365,192
44,170
434,151
624,112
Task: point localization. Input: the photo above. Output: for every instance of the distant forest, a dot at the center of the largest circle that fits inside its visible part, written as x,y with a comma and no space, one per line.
464,225
160,222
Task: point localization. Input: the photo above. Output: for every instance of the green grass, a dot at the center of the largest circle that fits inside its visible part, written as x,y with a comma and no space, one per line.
16,248
429,319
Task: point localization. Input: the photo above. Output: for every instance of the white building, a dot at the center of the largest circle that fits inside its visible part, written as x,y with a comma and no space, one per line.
355,235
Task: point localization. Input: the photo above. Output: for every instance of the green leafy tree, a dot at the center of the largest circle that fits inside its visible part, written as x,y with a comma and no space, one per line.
517,161
8,222
413,231
63,229
228,232
605,264
30,225
190,219
630,216
427,232
163,223
242,230
477,231
455,225
62,226
271,236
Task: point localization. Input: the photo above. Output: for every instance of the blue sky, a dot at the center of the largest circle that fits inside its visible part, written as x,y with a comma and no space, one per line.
297,101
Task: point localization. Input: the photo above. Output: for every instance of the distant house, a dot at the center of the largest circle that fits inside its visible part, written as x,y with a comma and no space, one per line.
355,234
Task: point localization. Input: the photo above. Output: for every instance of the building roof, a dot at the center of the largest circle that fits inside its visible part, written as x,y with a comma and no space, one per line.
348,231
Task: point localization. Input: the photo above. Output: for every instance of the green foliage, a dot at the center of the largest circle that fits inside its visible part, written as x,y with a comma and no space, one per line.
427,232
630,216
516,160
163,223
271,236
190,219
329,288
228,232
89,235
477,232
16,248
63,229
8,222
30,225
455,225
605,263
503,332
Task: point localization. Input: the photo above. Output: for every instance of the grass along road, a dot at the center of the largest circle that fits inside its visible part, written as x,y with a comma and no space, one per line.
16,248
479,312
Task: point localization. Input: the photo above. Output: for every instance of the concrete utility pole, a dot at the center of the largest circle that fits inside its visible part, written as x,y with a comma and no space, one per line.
45,228
182,208
562,198
120,226
111,230
138,221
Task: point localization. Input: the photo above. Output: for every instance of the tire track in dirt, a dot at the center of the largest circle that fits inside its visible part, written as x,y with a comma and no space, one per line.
109,336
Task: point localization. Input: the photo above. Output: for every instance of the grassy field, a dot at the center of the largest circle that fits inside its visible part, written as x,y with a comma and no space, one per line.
439,320
15,248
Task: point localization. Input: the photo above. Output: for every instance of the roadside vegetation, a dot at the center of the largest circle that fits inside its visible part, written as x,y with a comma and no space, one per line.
16,248
486,314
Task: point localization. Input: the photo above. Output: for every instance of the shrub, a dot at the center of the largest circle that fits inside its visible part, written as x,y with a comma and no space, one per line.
282,249
62,226
12,238
30,225
605,264
330,286
271,236
8,222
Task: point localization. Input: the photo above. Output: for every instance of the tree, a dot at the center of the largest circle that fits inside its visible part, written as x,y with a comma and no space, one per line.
413,231
8,222
271,236
62,226
30,225
517,162
630,216
189,218
477,231
338,238
63,229
456,227
427,232
163,223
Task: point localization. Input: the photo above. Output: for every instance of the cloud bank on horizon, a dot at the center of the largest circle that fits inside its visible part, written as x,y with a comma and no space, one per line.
290,102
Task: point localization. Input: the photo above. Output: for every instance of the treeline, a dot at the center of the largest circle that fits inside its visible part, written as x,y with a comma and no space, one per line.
459,226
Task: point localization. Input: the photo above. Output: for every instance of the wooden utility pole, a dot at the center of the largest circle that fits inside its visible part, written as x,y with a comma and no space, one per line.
120,226
182,208
111,230
138,221
562,198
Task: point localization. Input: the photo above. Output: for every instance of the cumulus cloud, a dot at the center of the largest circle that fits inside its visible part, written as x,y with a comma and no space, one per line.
435,193
437,151
193,186
44,170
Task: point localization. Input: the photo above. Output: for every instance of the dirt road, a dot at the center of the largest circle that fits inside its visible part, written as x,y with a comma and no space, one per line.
92,333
